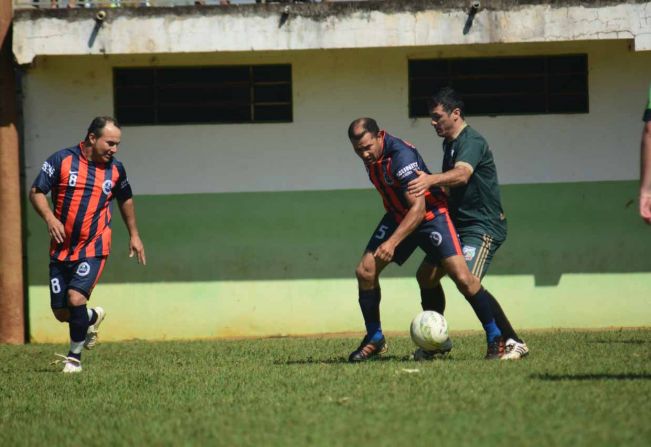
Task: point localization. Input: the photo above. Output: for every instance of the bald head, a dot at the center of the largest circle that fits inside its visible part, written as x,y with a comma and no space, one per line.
362,126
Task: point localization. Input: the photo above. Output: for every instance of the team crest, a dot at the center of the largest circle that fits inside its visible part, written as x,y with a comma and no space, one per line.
436,238
83,269
107,186
469,252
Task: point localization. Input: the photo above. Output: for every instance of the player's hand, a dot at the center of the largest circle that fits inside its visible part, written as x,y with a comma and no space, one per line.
385,251
645,207
56,230
136,247
420,185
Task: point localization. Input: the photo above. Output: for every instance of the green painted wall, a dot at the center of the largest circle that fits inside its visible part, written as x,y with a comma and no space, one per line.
282,263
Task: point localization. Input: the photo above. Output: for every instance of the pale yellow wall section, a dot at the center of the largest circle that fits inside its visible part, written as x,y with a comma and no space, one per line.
166,311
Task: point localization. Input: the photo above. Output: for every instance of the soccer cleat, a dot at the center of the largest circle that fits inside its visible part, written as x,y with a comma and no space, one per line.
422,355
70,364
514,350
495,349
93,329
368,349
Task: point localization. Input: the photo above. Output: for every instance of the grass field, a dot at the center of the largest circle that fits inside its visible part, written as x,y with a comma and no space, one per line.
577,388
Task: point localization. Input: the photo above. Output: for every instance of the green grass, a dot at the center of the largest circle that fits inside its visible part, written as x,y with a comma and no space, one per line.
576,389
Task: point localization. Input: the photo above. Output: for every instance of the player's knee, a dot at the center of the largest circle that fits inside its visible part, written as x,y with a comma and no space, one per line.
63,315
364,274
466,283
76,299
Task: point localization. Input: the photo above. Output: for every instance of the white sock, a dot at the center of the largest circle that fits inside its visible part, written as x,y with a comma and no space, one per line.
76,346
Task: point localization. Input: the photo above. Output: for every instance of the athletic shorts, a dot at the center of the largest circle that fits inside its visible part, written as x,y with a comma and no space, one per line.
79,275
437,238
478,250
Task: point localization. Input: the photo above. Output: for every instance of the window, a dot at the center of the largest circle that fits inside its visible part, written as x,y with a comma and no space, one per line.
504,85
193,95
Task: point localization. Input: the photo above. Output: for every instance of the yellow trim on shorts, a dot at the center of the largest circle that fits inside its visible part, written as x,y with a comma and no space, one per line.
484,251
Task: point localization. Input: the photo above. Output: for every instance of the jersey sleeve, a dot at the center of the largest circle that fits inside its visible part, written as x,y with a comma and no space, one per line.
49,174
404,167
471,152
122,189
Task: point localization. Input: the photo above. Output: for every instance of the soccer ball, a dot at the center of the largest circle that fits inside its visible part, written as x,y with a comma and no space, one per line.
429,331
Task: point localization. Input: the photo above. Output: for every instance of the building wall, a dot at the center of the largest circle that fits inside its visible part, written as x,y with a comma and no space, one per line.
256,229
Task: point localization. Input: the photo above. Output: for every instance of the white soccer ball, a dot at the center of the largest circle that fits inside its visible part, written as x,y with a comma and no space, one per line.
429,330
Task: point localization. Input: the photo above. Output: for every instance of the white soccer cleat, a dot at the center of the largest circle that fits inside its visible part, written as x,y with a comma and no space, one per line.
514,350
70,364
93,329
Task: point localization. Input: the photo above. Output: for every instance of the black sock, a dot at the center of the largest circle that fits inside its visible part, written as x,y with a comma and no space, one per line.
78,325
369,302
481,304
502,322
92,318
433,299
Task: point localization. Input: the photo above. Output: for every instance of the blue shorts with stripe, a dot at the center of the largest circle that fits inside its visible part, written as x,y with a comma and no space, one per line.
437,238
81,275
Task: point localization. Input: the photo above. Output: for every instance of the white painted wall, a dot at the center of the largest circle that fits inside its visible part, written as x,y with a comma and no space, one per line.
332,87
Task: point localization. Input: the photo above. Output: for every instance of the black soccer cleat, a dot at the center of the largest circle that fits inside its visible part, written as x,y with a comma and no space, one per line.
368,349
495,349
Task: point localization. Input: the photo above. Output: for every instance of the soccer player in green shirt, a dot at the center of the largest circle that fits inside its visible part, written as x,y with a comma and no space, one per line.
645,165
470,176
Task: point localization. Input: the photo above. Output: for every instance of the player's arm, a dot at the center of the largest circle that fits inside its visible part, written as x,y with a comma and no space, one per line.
412,220
645,173
54,226
128,212
457,176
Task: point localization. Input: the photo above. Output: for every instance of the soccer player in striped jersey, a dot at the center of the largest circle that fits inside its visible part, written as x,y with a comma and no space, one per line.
83,180
470,176
409,222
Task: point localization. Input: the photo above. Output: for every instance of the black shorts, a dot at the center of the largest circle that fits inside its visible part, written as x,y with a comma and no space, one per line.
81,275
437,238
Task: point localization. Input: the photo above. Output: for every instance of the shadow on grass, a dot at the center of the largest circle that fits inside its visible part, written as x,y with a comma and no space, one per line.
342,360
624,342
586,377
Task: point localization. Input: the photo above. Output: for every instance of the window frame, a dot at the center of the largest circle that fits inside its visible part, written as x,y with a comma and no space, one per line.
250,82
448,78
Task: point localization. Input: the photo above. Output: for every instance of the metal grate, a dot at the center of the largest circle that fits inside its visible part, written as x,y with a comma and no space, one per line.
185,95
504,85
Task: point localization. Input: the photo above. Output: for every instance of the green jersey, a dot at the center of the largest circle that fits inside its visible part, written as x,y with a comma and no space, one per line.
476,206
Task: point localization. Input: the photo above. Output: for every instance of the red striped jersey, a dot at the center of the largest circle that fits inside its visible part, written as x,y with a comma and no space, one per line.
394,170
82,192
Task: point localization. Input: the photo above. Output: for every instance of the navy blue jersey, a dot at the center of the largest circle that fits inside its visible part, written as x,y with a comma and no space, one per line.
394,170
82,191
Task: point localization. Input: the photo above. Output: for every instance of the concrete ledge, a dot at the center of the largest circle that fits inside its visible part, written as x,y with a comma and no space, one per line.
275,27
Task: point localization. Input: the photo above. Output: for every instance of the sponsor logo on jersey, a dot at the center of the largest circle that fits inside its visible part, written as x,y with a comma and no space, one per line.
469,252
83,269
107,186
436,238
48,169
404,172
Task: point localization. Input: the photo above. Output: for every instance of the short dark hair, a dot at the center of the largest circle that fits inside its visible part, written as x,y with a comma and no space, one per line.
367,124
447,98
98,124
